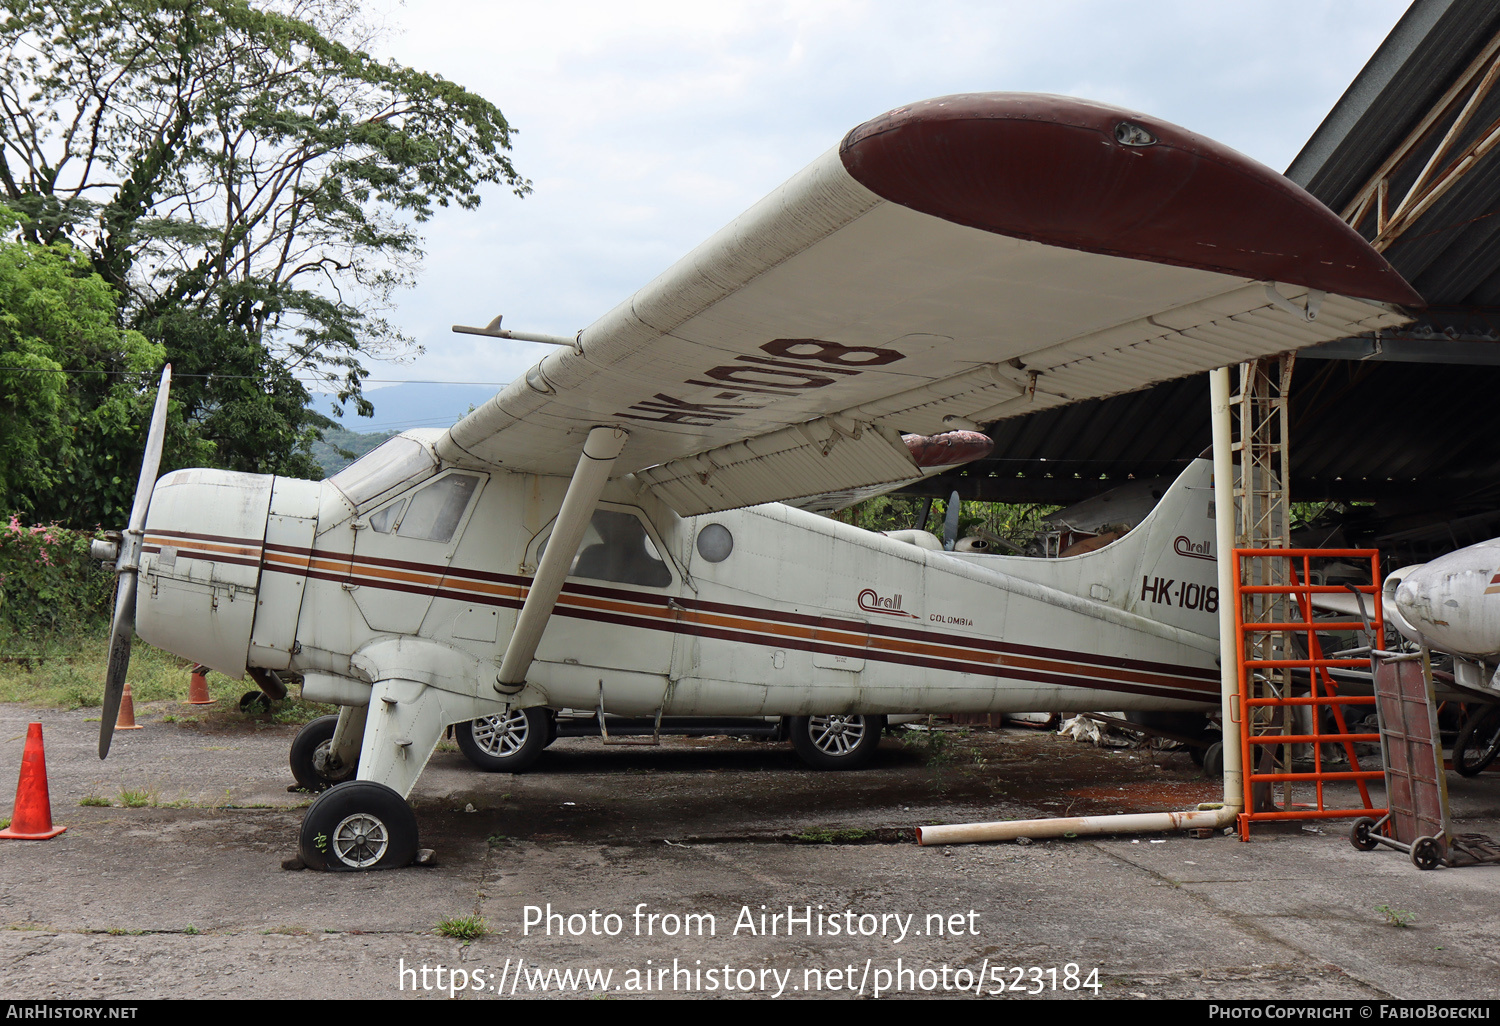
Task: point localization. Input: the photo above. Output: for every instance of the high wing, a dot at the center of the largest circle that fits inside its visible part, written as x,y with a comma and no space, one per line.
950,263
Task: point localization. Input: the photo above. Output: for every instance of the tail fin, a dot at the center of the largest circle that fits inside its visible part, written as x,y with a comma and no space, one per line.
1176,578
1163,569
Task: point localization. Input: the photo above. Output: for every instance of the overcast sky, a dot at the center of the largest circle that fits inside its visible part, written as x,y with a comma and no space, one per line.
645,127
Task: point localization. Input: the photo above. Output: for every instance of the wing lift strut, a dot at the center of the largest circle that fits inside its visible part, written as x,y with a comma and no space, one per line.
603,446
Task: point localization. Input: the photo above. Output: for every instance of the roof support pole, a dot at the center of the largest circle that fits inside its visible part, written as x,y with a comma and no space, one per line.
1224,525
598,458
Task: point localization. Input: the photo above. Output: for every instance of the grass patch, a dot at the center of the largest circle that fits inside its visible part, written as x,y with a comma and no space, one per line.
94,801
854,836
137,799
71,676
464,928
192,931
68,673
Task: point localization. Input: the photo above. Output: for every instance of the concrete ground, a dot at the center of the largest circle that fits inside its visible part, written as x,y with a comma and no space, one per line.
184,896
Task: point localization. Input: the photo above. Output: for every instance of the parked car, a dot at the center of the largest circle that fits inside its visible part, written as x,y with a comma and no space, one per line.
512,743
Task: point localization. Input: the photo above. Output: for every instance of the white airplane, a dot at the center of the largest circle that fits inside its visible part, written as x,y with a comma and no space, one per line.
1451,605
595,536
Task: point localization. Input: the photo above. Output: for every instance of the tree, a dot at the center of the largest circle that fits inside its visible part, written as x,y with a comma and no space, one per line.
247,179
69,384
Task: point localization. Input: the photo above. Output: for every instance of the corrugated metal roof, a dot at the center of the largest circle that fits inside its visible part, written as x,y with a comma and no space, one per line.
1412,424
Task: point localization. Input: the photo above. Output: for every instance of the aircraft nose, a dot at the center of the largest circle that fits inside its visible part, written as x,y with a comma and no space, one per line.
1410,598
1447,602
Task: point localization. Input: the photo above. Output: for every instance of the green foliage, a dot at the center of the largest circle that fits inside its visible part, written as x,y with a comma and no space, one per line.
48,583
1396,916
464,928
246,183
1018,523
60,429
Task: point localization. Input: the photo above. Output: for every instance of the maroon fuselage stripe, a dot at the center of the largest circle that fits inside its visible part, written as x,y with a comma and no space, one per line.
1188,682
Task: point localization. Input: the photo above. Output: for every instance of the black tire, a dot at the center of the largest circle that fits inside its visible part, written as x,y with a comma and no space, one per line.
1361,834
253,703
310,753
1427,853
358,826
1213,760
509,743
1200,755
836,742
1478,742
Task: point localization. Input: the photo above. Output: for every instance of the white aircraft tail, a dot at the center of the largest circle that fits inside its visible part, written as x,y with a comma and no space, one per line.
1163,569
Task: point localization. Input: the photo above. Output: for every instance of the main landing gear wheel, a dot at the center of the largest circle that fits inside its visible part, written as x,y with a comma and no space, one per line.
357,826
508,743
836,742
1427,853
312,759
1478,742
1360,834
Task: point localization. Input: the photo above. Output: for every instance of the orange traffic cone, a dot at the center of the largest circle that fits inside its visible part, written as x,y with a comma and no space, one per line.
31,820
198,687
126,720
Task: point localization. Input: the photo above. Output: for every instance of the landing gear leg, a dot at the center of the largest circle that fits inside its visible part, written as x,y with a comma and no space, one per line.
366,823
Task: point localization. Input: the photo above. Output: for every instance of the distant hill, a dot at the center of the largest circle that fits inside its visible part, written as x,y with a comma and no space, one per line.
327,452
399,407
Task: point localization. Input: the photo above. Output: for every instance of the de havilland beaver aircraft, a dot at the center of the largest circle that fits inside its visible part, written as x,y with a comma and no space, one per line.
597,535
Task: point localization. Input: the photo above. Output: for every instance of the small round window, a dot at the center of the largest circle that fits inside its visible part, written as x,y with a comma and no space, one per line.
715,543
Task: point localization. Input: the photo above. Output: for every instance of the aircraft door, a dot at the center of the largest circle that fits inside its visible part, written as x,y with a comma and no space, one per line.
403,547
615,619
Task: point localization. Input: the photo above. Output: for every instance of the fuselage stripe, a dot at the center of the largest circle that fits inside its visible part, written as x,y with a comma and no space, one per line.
762,627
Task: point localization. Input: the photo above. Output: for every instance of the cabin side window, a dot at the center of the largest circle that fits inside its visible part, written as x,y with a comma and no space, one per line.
617,548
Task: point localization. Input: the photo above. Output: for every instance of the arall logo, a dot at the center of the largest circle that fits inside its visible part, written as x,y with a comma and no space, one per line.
870,602
1183,546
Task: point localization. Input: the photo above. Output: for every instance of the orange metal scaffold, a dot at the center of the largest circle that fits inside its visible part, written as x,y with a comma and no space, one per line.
1258,629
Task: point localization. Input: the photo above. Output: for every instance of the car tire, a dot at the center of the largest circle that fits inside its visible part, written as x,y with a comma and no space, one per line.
838,742
507,743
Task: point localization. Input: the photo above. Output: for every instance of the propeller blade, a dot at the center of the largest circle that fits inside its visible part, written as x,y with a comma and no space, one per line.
950,523
151,461
121,630
127,569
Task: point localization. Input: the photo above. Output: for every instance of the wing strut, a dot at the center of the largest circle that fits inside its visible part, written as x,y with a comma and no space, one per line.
594,465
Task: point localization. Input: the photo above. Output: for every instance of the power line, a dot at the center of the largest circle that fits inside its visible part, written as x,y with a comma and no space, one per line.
230,377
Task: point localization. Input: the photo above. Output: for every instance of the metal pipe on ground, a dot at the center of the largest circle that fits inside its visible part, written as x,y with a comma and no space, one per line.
1204,817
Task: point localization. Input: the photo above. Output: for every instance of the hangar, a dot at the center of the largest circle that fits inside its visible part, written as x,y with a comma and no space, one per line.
1402,423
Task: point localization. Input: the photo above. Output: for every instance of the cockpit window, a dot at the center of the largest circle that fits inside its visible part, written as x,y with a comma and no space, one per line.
386,518
383,468
434,511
